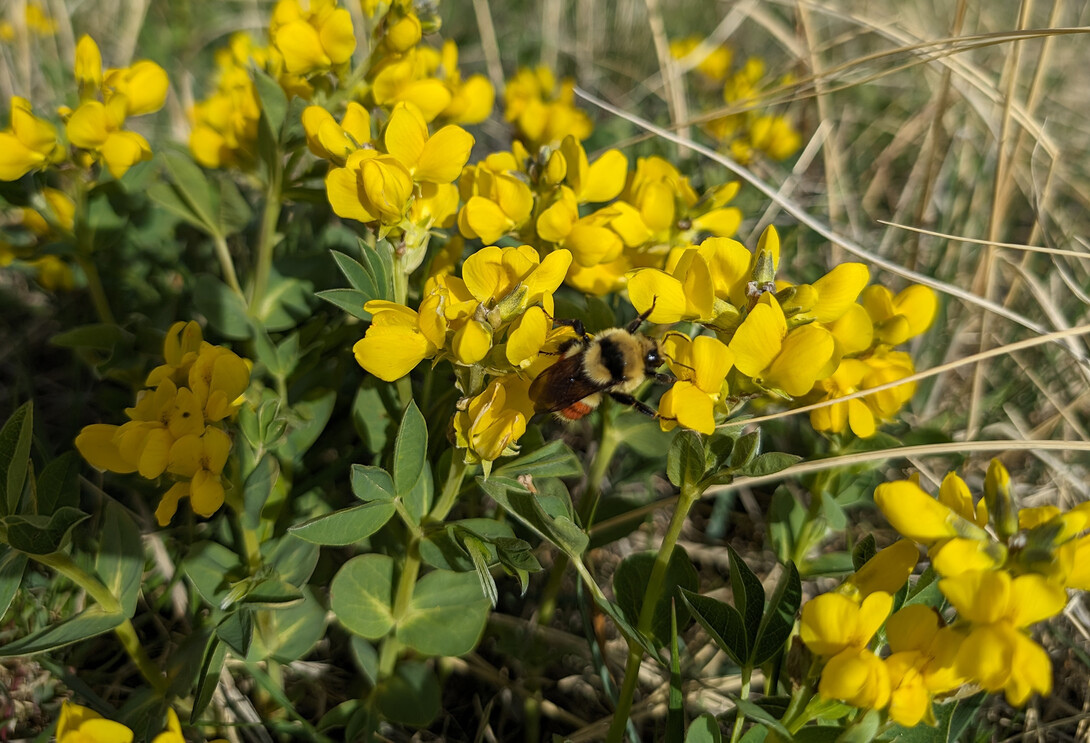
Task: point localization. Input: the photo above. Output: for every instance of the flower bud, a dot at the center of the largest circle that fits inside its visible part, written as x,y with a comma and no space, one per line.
997,494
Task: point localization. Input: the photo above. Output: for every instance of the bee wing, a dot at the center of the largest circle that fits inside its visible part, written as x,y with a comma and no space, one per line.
561,384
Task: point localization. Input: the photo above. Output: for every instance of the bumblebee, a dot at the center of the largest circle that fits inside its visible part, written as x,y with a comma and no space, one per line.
614,362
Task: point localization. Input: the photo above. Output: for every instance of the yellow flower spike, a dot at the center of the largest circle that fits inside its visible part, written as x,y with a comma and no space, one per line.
918,516
97,443
29,144
858,677
955,494
88,68
853,330
314,40
143,84
393,345
728,261
887,571
436,159
898,318
218,377
527,337
187,417
832,622
555,223
78,724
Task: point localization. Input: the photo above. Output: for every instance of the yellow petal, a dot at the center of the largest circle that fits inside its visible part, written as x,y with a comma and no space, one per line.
144,85
88,67
1034,598
980,596
406,135
838,290
605,178
168,503
689,406
803,358
720,222
122,150
301,46
96,443
888,570
337,37
914,513
155,453
391,352
16,160
712,359
484,219
342,190
444,155
648,286
913,628
205,493
88,126
759,338
527,336
472,342
919,305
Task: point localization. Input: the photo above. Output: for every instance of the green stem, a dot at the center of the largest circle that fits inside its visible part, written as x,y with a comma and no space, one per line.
267,238
227,265
651,596
94,286
739,718
109,603
406,582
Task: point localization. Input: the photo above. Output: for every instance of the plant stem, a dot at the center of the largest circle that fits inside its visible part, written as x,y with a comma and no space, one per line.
94,286
739,718
651,596
406,581
267,238
126,633
227,266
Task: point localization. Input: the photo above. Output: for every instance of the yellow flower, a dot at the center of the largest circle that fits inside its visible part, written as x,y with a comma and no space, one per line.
29,144
394,344
143,86
405,78
543,112
370,187
97,128
78,724
918,516
225,124
701,366
201,459
512,279
898,318
496,203
332,141
218,377
494,420
471,99
601,181
402,31
886,572
97,443
173,733
715,61
88,68
779,359
857,677
313,40
835,418
833,622
435,159
830,297
180,348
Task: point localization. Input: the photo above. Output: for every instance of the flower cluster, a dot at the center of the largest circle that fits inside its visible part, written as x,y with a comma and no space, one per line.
83,725
542,111
493,321
1002,570
37,21
224,129
791,341
751,131
178,426
31,230
95,127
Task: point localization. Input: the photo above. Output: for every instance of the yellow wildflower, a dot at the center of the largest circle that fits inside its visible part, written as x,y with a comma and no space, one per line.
29,144
78,724
314,40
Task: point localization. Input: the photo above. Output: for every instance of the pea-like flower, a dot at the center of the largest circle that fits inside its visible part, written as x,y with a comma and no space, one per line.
494,420
314,40
29,144
701,366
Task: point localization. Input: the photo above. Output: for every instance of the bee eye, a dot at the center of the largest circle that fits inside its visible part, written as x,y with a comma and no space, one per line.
653,357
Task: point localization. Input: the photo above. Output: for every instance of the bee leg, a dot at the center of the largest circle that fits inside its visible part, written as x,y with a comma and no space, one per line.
664,379
634,403
574,324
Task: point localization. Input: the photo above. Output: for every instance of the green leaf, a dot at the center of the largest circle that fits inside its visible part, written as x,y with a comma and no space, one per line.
409,697
15,456
749,597
120,559
613,611
308,419
779,618
630,583
446,614
445,549
559,529
87,624
745,450
685,461
289,633
191,187
293,559
12,567
226,311
361,595
370,418
170,199
346,526
418,500
274,104
864,551
212,568
234,211
40,535
555,459
58,484
756,712
722,622
273,592
255,492
237,630
286,302
785,518
481,556
863,730
410,451
358,275
99,336
768,464
372,483
833,512
349,300
381,261
704,729
211,665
